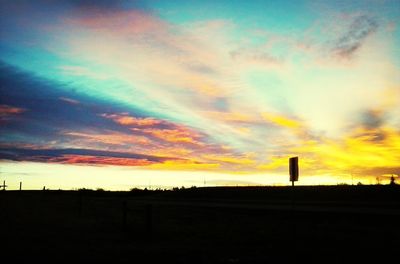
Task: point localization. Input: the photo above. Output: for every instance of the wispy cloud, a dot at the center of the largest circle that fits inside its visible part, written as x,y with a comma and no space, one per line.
256,56
7,111
81,72
69,100
358,31
111,138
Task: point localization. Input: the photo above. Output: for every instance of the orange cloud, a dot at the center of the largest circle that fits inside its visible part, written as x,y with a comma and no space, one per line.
181,135
170,151
126,120
173,133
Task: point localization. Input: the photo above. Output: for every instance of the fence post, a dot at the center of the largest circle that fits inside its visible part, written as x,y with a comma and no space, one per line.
4,185
80,202
124,215
149,220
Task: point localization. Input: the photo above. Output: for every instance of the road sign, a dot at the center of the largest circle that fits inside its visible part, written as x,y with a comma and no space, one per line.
294,168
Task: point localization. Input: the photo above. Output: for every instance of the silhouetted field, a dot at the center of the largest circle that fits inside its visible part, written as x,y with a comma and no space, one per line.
325,224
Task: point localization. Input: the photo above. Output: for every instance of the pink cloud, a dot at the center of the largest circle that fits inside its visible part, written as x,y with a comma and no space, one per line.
121,21
99,160
6,112
172,133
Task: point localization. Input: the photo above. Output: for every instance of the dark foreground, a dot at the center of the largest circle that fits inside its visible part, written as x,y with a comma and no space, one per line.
335,224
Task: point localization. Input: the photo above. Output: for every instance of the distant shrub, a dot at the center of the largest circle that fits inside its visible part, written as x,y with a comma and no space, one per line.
392,181
85,190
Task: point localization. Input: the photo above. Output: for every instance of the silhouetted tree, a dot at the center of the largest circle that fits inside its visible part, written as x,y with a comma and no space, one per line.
378,180
392,181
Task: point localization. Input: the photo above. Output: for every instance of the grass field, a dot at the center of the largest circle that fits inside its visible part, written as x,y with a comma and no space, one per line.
326,224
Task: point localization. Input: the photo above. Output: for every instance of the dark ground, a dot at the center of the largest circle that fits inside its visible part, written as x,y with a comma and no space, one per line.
329,224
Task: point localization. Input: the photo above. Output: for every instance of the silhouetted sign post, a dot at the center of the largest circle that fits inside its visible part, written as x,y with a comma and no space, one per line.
294,176
294,169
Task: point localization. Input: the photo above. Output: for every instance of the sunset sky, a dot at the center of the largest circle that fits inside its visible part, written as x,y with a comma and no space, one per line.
123,94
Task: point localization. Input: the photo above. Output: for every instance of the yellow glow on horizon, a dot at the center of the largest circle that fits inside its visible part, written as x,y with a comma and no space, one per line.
362,150
67,177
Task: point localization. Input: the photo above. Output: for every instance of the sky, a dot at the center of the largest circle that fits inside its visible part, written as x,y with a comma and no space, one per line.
124,94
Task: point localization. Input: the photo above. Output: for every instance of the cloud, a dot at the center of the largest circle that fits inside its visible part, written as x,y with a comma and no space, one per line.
205,91
199,67
94,160
6,112
235,117
178,135
256,56
161,129
62,119
185,165
133,22
350,42
69,100
111,138
47,108
281,120
87,156
372,119
248,161
126,120
81,72
359,152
